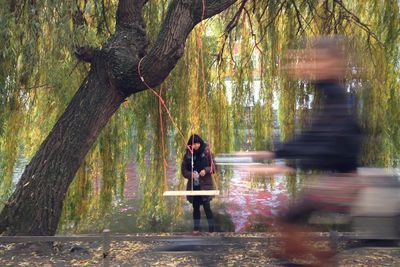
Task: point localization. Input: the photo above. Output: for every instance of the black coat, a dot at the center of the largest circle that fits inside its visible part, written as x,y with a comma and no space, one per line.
333,141
203,160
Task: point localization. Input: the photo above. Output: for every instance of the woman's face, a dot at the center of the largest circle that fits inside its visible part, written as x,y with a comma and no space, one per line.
196,146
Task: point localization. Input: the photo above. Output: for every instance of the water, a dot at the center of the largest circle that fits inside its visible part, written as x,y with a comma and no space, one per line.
246,203
251,204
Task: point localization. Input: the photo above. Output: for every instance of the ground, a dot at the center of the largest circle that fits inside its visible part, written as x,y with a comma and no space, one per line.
193,251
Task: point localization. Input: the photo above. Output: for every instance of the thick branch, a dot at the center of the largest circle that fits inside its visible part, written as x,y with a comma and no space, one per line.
127,46
211,8
234,21
181,18
129,13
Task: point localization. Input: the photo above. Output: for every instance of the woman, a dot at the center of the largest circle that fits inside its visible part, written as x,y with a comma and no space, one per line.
198,167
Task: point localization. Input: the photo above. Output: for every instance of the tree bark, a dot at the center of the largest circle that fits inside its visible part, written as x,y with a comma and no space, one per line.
36,204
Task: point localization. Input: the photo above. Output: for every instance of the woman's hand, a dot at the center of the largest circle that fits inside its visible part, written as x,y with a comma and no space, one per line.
202,173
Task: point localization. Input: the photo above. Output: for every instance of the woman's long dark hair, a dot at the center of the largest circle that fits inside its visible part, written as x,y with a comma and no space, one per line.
194,138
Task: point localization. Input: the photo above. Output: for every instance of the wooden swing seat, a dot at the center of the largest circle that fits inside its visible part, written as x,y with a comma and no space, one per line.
192,193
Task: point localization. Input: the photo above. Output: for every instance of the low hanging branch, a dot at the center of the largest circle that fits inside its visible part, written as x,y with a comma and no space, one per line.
229,27
358,21
299,18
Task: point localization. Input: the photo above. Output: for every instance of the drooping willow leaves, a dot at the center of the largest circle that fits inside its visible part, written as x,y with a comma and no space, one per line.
229,87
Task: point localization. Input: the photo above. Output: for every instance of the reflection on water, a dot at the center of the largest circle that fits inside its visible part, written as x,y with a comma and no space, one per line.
246,203
250,204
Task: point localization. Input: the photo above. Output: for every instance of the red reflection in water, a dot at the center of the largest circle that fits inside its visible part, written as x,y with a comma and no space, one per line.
251,206
246,206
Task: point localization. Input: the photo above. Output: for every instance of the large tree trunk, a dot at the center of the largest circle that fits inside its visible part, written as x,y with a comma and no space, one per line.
35,206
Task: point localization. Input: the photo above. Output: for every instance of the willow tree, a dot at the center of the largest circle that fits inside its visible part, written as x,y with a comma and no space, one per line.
35,206
37,44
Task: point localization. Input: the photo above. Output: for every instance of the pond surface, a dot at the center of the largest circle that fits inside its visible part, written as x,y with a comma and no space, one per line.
245,203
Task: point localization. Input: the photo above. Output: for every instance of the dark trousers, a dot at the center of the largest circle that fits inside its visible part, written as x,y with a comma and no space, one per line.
197,202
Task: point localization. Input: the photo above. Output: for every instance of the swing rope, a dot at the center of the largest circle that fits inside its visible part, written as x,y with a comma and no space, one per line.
201,61
162,141
162,104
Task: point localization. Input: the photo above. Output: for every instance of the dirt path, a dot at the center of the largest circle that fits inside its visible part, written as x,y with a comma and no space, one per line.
203,251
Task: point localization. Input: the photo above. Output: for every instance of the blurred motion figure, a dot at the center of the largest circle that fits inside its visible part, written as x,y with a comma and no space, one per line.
331,144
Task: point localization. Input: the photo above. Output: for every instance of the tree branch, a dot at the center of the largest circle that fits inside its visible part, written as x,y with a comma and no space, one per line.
299,17
234,21
129,13
229,27
358,21
181,18
211,7
127,47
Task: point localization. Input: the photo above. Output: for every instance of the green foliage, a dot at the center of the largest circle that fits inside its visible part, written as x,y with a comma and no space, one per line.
39,75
